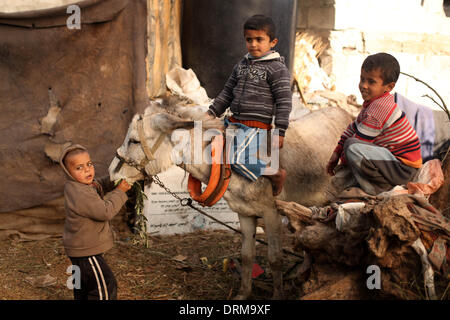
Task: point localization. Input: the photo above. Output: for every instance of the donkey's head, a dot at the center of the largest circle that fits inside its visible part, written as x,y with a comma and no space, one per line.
148,148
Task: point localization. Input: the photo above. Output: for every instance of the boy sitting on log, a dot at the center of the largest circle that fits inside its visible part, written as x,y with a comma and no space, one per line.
380,147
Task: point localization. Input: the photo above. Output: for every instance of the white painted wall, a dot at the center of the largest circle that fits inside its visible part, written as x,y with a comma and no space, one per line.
392,16
166,216
416,32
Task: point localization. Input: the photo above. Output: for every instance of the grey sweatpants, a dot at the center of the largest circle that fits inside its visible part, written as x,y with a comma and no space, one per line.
375,168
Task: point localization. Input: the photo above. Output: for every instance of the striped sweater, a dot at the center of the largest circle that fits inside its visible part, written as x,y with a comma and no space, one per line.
258,89
382,123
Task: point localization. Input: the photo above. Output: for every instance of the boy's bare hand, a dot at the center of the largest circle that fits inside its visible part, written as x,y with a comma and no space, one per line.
124,186
278,145
332,163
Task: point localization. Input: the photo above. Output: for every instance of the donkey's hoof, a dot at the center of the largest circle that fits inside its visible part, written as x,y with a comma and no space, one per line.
240,297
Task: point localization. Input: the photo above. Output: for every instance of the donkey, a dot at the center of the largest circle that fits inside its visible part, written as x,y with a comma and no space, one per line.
308,145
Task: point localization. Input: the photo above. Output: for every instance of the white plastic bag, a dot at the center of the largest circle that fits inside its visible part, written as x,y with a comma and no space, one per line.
429,179
185,83
347,212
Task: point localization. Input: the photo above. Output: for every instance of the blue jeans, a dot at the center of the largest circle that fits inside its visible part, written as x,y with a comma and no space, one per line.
246,146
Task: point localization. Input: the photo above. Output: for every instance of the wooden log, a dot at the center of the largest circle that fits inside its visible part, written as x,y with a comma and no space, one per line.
381,234
295,212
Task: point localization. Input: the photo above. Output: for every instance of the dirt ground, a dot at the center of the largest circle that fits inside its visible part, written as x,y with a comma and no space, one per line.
176,267
187,267
172,267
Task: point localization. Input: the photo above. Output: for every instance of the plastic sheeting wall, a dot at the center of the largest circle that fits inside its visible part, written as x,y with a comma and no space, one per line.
9,6
97,80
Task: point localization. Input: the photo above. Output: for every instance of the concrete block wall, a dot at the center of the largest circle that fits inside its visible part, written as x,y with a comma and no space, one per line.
416,32
316,14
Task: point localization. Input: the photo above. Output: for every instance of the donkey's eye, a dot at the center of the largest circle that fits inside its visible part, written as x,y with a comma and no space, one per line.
132,141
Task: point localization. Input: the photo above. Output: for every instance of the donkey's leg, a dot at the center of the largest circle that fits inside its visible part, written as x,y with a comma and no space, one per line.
273,229
248,229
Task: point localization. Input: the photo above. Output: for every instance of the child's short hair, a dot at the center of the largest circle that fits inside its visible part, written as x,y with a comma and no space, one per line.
73,152
388,65
261,22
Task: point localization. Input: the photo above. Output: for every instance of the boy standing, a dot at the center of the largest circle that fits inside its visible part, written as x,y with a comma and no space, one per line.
380,147
258,89
87,232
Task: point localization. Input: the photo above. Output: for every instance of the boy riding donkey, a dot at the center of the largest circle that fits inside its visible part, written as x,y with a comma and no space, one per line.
257,89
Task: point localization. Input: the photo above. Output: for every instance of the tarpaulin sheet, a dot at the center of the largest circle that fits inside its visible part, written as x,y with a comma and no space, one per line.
97,79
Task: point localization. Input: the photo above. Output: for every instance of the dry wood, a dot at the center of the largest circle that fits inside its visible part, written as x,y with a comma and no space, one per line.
295,211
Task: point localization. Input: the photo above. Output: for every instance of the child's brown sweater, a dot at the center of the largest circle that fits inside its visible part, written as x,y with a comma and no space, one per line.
87,229
258,89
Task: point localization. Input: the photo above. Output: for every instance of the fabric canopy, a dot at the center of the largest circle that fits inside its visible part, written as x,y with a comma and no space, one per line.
61,85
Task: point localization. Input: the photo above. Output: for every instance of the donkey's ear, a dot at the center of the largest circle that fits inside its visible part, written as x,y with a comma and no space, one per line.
167,123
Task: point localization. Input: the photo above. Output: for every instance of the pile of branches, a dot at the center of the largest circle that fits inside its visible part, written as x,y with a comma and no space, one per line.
394,233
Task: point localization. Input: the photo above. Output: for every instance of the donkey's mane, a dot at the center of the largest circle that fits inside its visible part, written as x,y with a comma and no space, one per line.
174,106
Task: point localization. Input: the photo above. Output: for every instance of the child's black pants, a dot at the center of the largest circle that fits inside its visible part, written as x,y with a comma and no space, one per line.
97,279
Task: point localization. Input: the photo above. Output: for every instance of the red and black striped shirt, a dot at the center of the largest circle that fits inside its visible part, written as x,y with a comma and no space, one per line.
382,123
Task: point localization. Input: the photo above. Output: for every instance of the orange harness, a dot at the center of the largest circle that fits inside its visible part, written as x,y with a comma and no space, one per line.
219,177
